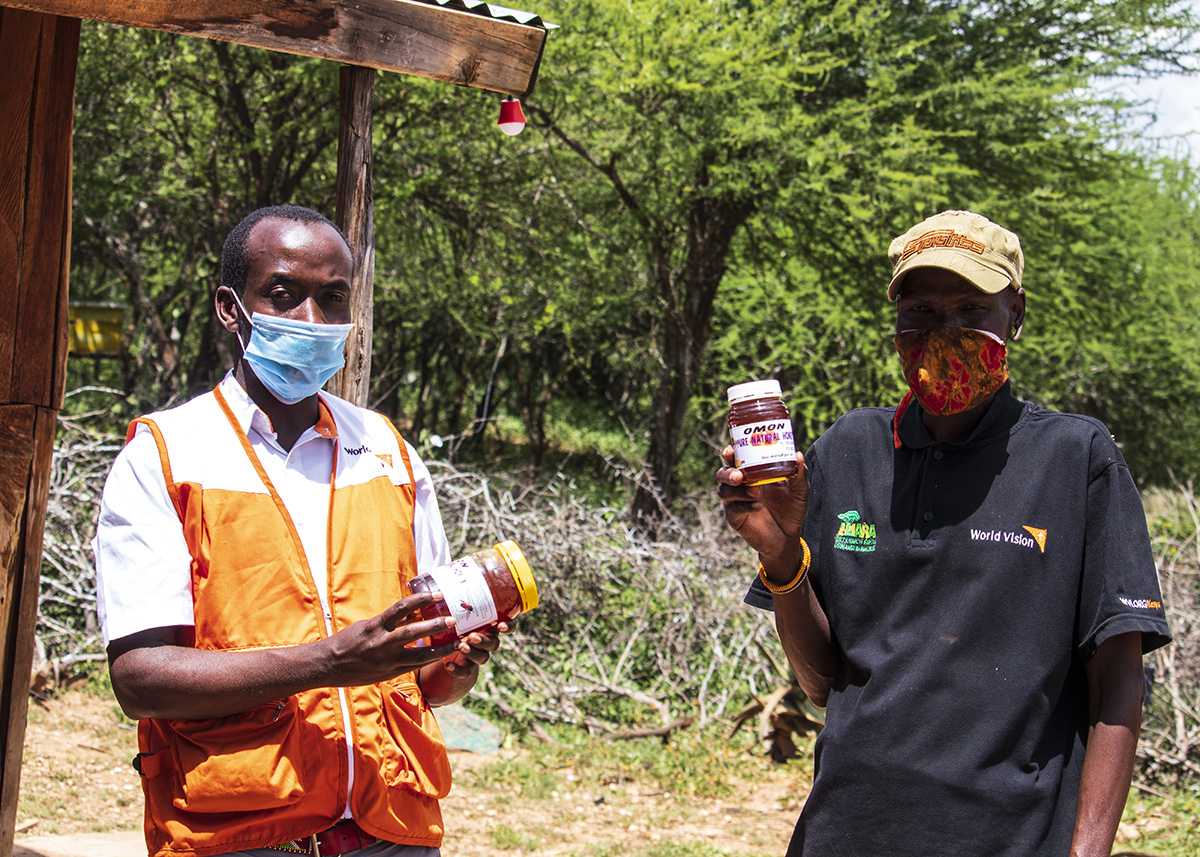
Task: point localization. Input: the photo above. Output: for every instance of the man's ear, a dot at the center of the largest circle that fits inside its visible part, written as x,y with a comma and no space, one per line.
227,311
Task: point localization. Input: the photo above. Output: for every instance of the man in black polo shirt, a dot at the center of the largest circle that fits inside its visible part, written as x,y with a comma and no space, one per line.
966,582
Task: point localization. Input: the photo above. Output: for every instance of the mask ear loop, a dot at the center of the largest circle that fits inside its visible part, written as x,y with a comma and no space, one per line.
245,315
1016,334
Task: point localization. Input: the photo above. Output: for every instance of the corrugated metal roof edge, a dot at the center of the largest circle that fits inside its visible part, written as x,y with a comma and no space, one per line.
491,10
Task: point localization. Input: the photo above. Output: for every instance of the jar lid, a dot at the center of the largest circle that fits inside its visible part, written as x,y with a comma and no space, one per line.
754,390
519,568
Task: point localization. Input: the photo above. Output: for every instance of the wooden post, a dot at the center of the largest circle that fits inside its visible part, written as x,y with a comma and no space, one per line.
356,217
37,64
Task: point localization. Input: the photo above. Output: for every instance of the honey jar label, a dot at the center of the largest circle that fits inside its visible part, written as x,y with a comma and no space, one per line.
767,442
467,594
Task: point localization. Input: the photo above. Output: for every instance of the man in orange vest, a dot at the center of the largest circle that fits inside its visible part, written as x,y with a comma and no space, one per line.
252,554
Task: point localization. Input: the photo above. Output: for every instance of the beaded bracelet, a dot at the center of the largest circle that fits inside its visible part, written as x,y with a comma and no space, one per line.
801,574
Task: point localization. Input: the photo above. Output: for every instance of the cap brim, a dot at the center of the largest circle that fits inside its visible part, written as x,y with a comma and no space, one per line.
985,277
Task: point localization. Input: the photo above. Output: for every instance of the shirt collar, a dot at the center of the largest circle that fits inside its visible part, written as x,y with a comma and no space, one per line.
251,417
1003,413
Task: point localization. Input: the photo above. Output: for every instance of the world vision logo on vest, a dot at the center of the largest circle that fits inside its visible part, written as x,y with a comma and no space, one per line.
1035,539
382,456
1039,536
854,534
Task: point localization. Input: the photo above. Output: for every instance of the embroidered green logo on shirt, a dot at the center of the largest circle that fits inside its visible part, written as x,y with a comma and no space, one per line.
854,534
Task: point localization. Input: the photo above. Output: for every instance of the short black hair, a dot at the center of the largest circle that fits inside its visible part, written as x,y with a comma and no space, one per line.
233,254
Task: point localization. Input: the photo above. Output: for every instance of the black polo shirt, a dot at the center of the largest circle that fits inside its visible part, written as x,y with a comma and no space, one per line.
966,583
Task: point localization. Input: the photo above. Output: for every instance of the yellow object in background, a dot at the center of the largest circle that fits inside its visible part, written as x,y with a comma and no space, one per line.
96,328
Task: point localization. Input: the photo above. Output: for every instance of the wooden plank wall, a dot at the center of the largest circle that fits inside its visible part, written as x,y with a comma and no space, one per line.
37,66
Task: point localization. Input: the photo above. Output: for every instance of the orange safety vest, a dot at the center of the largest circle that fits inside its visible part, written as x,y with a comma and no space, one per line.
279,772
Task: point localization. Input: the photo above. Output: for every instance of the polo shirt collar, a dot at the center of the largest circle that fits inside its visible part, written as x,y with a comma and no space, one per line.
1002,415
251,417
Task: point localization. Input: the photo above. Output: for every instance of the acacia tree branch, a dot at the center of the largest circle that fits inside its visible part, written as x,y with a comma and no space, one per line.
608,170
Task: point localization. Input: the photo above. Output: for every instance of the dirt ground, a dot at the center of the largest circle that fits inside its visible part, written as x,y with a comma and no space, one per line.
76,776
77,779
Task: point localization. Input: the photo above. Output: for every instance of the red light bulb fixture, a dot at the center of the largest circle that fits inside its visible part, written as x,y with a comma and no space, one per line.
512,118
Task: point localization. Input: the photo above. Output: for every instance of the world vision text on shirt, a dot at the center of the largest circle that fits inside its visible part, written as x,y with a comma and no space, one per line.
1012,537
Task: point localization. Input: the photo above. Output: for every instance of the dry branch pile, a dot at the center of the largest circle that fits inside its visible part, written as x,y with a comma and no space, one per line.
1169,750
68,632
629,629
632,632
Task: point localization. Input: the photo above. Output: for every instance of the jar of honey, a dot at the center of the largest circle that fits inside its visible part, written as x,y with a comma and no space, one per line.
764,448
482,589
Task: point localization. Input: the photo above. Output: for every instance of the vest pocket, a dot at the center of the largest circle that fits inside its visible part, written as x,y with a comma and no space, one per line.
241,763
415,756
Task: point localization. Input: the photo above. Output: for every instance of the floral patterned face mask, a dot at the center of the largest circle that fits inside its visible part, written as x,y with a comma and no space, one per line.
952,369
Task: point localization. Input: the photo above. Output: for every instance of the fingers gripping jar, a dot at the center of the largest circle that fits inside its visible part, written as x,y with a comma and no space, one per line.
764,448
481,589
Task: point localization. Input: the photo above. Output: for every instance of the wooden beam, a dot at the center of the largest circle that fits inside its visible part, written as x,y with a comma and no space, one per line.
25,467
18,68
356,218
40,343
37,64
393,35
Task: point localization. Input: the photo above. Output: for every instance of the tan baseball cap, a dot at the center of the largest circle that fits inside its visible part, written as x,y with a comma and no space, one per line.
970,245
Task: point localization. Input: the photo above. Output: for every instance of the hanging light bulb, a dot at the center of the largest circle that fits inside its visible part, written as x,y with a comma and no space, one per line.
512,118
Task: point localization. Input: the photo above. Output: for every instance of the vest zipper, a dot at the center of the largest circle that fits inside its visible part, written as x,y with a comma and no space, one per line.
323,598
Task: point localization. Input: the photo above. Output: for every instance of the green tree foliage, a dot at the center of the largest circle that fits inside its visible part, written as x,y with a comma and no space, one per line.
1113,286
487,303
1114,301
175,140
705,194
787,141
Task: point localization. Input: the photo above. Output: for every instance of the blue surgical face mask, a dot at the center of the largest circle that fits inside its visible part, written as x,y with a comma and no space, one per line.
293,359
